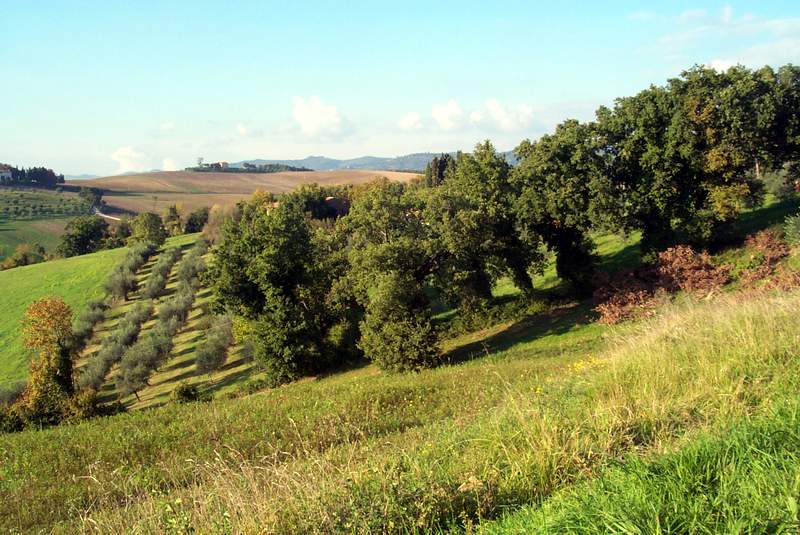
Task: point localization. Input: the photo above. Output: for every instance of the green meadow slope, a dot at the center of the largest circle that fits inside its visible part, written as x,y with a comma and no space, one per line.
77,280
685,422
555,409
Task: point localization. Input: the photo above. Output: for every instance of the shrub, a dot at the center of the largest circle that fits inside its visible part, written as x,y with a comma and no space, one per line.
159,275
780,183
791,229
188,393
9,393
113,346
633,293
121,282
767,250
149,228
11,420
681,268
212,353
82,329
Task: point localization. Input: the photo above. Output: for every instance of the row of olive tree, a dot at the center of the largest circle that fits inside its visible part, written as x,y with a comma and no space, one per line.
153,348
122,281
159,274
113,346
677,163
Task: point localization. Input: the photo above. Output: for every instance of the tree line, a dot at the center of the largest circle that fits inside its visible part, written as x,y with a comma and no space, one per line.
677,162
31,176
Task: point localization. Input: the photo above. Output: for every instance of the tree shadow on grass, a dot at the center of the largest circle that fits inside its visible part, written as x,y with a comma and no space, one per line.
628,257
554,322
762,218
216,384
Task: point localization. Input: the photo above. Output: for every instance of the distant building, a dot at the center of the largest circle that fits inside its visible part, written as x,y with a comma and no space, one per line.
5,176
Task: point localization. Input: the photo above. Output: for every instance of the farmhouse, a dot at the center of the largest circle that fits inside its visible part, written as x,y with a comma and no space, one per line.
5,174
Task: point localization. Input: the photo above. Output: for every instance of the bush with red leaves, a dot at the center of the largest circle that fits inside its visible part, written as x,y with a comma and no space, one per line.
634,293
768,248
681,268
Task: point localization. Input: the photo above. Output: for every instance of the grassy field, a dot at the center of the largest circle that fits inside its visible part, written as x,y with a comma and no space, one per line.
45,232
155,191
77,280
686,422
554,410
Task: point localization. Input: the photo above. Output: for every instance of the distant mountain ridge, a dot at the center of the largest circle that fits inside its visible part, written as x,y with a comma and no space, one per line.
410,162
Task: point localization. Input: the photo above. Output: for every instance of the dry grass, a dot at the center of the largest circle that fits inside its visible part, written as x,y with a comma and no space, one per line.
360,452
155,191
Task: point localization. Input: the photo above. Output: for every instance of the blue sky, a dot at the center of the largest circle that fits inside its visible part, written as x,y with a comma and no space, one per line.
109,87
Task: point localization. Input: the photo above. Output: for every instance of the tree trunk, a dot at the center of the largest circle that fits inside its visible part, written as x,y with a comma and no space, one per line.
758,170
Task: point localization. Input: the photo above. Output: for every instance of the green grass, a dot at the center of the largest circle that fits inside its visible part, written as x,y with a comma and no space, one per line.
76,280
554,406
742,480
29,215
29,203
45,232
686,422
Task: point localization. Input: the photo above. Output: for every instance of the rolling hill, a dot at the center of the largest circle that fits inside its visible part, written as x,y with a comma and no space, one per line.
528,429
154,191
409,162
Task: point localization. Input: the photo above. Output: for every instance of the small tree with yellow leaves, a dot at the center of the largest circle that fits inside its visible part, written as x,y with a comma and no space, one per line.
47,330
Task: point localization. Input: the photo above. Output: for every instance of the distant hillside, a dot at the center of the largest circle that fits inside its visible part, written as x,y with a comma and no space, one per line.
80,177
155,191
410,162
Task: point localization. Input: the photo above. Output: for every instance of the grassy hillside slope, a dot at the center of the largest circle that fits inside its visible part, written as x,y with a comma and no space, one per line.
45,232
561,403
686,422
154,191
77,280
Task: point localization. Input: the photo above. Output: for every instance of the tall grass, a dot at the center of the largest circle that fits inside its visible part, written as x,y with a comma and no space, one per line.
440,449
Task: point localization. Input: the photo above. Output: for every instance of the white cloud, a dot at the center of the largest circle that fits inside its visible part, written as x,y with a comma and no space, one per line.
318,120
169,165
499,117
129,160
721,65
410,121
773,53
167,126
447,115
769,41
245,131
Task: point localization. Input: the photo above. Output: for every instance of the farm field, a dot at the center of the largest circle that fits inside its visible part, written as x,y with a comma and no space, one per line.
30,215
31,203
155,191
